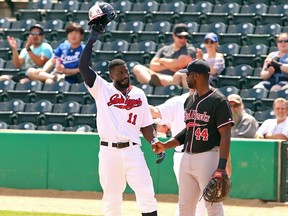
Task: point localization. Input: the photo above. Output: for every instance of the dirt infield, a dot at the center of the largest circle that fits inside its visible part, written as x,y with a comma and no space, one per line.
89,203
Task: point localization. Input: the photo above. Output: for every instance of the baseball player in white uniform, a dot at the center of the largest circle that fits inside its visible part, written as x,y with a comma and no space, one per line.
122,113
172,113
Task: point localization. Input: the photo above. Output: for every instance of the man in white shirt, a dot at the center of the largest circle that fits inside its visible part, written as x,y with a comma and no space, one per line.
275,128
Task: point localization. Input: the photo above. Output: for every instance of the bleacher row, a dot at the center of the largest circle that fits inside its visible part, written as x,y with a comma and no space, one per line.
246,29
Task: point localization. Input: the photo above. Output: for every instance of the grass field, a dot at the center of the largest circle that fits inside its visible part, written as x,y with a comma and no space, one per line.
14,213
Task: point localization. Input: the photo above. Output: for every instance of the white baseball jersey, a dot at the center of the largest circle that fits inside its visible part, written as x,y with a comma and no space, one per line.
270,126
119,116
172,112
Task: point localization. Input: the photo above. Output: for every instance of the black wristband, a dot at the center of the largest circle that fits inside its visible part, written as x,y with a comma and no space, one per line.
222,163
28,49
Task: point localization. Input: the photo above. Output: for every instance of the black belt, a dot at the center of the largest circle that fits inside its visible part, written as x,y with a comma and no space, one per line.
117,145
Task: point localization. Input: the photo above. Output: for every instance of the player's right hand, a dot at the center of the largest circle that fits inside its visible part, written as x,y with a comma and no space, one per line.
158,147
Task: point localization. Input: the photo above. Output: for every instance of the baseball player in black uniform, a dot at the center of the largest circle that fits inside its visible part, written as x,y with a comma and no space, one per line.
206,139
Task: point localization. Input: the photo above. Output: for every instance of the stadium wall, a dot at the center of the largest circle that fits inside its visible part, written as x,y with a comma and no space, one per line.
69,161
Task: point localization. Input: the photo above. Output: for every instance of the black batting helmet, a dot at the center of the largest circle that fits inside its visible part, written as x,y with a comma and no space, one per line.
101,13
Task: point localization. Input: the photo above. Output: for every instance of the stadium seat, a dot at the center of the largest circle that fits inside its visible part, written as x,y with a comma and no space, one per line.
239,70
155,100
78,92
192,27
52,92
84,119
18,28
227,80
147,6
88,109
250,13
62,113
148,89
253,97
35,10
229,48
33,112
227,90
168,11
243,28
24,126
228,7
51,127
25,91
3,125
6,85
122,5
261,116
203,7
170,90
143,47
155,31
100,66
80,128
257,49
126,31
278,8
9,108
216,27
265,34
4,23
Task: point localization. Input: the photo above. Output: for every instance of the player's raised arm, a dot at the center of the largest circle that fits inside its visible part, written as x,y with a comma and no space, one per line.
88,74
99,16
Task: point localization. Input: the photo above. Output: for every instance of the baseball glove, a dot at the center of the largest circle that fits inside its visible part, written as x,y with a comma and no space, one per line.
218,187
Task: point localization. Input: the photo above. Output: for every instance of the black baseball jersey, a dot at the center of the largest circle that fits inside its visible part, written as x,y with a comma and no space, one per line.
203,117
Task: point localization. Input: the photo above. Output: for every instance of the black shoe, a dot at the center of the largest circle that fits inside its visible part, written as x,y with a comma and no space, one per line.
155,81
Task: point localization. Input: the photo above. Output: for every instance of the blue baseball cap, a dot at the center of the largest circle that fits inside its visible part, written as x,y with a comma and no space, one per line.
197,66
212,36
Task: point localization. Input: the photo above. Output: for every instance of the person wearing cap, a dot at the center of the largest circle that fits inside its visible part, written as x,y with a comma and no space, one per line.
212,57
65,60
245,125
206,139
276,128
167,60
35,54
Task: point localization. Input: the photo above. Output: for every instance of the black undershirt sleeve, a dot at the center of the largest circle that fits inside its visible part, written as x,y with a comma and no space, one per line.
87,73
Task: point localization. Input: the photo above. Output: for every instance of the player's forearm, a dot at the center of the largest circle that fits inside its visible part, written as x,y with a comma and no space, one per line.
172,143
148,133
87,73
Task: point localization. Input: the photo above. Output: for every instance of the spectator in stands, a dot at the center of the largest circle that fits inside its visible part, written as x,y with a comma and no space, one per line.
35,54
245,125
212,57
275,68
275,128
168,59
64,64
